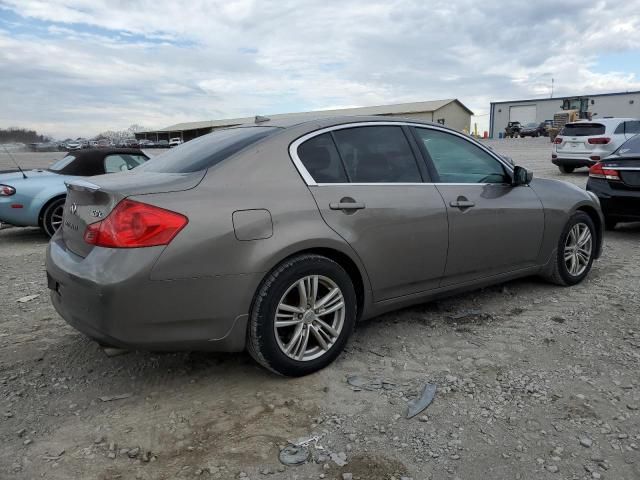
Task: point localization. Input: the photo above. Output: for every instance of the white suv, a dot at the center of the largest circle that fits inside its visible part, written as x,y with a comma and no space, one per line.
583,143
174,142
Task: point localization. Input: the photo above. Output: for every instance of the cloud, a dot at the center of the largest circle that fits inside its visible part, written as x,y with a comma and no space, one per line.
77,67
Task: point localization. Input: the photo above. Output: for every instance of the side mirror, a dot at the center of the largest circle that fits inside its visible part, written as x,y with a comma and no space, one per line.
521,176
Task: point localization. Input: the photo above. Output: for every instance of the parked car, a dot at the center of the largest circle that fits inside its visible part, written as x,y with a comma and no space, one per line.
532,129
144,143
162,144
616,182
104,143
174,142
131,143
278,237
73,145
93,144
512,129
36,198
583,143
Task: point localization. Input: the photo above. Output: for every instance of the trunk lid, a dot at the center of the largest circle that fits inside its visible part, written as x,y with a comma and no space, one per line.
628,169
92,200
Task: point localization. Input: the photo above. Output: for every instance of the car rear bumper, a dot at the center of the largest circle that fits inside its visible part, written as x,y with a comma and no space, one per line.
120,306
621,204
574,162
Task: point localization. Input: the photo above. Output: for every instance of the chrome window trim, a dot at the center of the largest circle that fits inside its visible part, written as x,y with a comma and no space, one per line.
304,173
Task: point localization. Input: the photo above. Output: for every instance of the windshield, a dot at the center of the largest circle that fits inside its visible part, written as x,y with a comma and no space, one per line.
207,151
60,164
630,148
583,129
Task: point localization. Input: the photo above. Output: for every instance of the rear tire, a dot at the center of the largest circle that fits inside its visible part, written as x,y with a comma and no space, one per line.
566,169
575,251
52,217
322,335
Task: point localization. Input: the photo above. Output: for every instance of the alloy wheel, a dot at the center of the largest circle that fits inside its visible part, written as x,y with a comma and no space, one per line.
309,318
578,247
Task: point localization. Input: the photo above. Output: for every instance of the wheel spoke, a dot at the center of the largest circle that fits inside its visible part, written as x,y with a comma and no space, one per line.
295,339
313,290
302,291
287,323
321,341
323,301
584,237
336,306
290,308
327,327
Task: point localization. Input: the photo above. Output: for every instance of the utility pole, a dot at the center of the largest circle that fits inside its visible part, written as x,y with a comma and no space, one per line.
551,87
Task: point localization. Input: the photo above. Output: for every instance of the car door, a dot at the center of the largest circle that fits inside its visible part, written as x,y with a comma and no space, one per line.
369,188
494,227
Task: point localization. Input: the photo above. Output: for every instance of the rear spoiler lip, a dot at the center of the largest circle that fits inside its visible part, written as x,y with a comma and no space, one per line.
82,185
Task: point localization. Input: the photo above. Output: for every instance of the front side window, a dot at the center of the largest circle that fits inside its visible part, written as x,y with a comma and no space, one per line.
457,160
122,162
632,127
377,154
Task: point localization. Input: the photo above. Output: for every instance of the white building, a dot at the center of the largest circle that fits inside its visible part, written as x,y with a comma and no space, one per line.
622,104
450,112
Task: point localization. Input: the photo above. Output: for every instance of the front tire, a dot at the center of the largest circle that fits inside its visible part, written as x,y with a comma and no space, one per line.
575,252
566,169
52,217
302,316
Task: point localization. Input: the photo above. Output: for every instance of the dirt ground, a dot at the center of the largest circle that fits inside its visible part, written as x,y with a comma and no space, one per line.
534,382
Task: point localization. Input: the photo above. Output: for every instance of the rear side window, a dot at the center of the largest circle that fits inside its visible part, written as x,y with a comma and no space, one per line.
631,147
320,157
60,164
377,154
583,129
208,150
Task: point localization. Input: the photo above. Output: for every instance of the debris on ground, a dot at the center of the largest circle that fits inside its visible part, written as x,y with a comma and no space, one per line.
110,398
28,298
421,403
294,455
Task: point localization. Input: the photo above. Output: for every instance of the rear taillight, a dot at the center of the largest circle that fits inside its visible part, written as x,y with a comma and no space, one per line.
599,140
133,225
557,140
598,171
6,191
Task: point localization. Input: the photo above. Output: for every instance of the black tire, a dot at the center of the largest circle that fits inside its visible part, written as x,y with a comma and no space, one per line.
559,273
610,223
52,216
566,169
262,343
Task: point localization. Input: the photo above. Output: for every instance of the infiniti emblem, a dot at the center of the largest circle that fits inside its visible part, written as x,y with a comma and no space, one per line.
73,209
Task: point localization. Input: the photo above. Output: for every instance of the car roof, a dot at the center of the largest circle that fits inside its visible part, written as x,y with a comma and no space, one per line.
310,123
604,121
91,160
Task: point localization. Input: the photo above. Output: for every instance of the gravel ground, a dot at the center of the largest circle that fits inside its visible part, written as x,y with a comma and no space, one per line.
534,382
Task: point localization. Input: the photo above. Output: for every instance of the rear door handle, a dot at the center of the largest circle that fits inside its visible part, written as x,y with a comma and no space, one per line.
462,204
346,206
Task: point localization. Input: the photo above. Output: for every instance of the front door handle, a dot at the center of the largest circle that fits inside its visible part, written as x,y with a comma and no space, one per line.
346,206
462,203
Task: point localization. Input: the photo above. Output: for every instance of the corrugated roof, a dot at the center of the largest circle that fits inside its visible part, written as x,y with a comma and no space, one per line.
396,109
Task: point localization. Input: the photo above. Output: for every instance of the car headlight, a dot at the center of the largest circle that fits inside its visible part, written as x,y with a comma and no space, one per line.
6,190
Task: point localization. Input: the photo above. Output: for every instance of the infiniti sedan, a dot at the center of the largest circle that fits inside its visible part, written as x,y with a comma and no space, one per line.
278,237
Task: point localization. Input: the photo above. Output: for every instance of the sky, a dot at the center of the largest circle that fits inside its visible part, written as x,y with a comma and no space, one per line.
73,68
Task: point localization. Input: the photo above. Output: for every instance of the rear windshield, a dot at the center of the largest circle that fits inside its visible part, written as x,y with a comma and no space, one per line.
631,147
60,164
583,129
206,151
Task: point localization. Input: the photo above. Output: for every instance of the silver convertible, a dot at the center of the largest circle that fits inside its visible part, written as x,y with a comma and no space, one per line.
279,237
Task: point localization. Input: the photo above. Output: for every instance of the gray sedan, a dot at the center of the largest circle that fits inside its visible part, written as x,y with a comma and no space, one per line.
279,237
